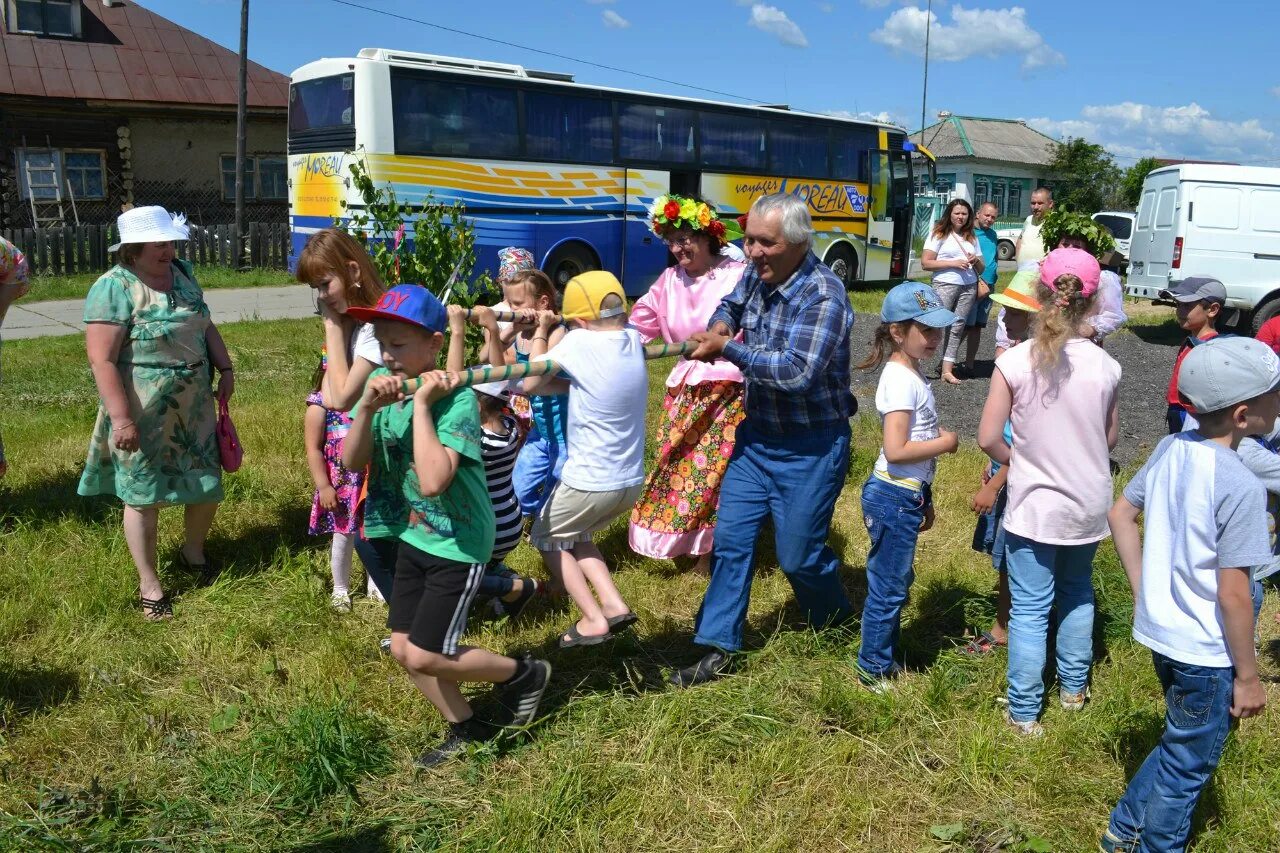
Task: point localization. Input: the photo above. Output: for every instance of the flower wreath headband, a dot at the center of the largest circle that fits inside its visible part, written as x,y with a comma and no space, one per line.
670,213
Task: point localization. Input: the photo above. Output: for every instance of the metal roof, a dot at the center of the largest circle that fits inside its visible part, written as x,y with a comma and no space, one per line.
128,53
1006,140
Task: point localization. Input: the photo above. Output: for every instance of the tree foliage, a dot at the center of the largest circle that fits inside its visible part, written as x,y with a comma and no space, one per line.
1061,222
1084,176
1131,183
429,244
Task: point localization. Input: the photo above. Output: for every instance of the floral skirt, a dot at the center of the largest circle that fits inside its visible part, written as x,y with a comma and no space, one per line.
676,512
345,516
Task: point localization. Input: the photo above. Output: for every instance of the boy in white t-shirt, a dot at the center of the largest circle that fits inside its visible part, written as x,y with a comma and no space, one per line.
1205,529
603,368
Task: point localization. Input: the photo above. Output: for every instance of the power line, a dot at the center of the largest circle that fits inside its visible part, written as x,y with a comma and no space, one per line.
614,68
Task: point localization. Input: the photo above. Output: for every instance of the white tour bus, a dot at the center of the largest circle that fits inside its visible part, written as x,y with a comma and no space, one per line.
1205,219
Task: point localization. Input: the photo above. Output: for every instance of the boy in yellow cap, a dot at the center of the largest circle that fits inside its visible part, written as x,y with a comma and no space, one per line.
603,371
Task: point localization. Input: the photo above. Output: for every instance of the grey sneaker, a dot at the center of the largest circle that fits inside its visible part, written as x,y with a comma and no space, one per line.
1026,728
461,735
1072,701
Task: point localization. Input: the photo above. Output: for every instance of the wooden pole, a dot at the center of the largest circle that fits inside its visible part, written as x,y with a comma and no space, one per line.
479,375
242,98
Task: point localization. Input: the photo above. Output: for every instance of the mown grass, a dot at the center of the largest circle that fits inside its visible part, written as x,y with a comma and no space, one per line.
261,720
50,287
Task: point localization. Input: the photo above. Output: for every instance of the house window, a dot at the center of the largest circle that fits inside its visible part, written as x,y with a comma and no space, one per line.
51,173
264,178
45,17
981,190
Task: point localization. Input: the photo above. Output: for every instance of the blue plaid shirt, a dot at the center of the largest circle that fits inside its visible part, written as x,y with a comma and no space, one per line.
795,348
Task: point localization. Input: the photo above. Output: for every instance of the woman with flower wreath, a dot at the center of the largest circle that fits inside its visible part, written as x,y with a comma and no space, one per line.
676,513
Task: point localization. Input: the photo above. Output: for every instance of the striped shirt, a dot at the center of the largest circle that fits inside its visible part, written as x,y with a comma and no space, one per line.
794,352
499,452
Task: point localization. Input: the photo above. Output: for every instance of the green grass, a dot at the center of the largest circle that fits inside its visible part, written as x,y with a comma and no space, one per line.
261,720
48,287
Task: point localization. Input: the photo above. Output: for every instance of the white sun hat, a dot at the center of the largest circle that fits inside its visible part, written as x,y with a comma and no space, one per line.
150,224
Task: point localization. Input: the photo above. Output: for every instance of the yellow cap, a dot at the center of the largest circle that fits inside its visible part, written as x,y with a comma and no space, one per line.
584,293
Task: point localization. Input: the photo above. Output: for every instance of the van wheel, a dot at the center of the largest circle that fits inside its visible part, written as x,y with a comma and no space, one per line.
1262,314
1004,250
844,263
568,261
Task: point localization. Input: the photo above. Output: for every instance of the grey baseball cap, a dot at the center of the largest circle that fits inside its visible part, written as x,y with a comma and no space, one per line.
1197,288
1224,371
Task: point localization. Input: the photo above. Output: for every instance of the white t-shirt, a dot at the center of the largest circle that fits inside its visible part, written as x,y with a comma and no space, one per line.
365,345
1031,245
902,389
953,248
608,394
1202,510
1059,487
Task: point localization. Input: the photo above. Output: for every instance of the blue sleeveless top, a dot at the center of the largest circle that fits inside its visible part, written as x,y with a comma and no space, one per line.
549,412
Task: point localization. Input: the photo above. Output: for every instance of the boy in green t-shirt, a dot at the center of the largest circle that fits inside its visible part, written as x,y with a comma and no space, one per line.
427,486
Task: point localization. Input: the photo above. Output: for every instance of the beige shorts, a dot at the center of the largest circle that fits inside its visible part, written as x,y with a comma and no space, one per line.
571,517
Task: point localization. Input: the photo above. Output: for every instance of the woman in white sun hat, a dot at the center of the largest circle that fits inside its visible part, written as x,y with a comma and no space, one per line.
156,357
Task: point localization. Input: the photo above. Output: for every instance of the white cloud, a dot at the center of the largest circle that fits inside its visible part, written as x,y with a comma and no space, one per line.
613,20
1275,90
827,7
864,115
774,21
971,32
1132,130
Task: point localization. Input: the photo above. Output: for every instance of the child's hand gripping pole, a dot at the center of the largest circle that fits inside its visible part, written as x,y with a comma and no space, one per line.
479,375
503,316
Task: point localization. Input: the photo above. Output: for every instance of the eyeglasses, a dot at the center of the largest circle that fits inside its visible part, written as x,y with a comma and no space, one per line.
676,242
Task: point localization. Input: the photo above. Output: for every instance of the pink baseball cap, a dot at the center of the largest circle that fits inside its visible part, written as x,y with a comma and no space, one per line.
1077,262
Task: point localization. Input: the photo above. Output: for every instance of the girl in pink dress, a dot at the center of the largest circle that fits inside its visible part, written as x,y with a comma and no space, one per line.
675,515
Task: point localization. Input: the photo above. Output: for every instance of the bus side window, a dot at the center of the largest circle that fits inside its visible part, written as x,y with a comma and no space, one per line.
565,127
656,134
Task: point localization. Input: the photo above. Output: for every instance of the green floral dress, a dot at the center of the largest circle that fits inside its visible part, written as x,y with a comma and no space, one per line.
164,365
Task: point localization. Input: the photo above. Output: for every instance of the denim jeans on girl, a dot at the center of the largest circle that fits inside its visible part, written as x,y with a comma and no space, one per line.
1041,576
893,515
379,558
795,479
1155,812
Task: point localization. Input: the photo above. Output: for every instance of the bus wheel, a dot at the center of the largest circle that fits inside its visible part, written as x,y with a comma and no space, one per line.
1004,250
570,260
844,263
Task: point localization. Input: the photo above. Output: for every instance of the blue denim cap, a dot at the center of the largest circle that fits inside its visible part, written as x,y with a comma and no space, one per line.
912,300
1225,371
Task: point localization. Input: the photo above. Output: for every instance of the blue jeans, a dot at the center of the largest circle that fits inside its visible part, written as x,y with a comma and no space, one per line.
536,471
379,558
1156,808
893,515
796,480
1041,576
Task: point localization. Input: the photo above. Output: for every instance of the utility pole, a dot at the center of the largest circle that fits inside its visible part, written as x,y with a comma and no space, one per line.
241,122
924,95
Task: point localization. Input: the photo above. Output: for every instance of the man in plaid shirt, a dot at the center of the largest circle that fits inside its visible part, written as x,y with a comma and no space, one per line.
792,450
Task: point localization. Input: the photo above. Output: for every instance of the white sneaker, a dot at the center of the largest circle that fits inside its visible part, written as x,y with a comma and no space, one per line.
341,602
1027,728
375,594
1072,701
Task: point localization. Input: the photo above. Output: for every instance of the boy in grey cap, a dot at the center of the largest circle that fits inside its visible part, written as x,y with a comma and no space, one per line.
1200,300
1205,530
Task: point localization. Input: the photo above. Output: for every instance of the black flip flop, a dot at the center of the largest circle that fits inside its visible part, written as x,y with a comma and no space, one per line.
573,638
620,623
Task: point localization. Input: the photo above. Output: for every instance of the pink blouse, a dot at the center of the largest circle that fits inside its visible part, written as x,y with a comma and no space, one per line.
677,306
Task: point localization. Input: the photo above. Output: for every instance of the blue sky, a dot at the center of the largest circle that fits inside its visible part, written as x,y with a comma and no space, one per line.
1169,79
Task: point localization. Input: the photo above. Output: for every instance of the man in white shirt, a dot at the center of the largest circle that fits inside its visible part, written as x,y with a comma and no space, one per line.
1029,246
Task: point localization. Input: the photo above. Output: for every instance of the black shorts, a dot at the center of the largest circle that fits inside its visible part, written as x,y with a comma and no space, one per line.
431,597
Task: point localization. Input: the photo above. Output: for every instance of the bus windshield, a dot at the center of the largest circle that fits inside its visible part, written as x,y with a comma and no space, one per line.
326,102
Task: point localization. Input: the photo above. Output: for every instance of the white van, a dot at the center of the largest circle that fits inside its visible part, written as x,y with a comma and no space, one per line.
1220,221
1120,224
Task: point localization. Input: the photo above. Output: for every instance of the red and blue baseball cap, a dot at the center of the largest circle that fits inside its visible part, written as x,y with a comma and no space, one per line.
406,303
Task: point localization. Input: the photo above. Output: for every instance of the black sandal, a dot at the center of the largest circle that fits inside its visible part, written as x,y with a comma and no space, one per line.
621,622
528,589
206,570
156,609
573,638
